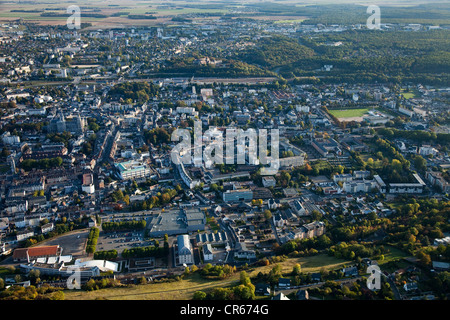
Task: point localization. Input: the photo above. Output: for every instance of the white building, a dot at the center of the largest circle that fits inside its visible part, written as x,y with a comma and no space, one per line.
346,177
359,186
88,183
187,110
132,170
7,138
185,254
207,252
427,150
268,181
304,109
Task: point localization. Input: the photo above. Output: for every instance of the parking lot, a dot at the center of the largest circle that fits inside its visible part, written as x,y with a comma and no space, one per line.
121,240
72,243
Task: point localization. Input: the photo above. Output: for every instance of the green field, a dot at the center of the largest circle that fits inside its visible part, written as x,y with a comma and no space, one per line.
310,264
394,254
349,113
290,21
184,289
409,95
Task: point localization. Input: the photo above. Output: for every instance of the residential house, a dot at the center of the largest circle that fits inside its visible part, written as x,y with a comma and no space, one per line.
25,234
350,271
262,289
243,252
46,228
268,181
207,252
316,277
284,283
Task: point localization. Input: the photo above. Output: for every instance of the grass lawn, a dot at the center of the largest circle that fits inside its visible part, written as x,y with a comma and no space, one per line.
349,113
179,290
394,254
409,95
184,289
308,264
5,272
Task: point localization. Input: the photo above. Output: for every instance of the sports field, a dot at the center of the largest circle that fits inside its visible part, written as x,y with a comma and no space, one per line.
409,95
349,113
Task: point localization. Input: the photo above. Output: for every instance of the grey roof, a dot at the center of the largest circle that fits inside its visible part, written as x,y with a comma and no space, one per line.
207,249
184,245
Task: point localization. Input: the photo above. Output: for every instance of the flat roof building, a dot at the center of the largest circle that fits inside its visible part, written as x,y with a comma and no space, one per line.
132,170
173,222
237,195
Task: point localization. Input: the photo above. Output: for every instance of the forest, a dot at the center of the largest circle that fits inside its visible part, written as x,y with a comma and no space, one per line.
136,91
363,56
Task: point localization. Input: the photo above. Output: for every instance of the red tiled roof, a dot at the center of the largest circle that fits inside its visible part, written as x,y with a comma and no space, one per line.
36,252
43,251
20,253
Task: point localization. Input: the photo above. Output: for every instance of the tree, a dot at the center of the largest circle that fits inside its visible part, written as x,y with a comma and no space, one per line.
244,278
396,165
199,295
18,278
34,275
316,215
194,268
244,292
126,199
142,280
297,269
275,274
420,163
386,291
58,295
267,214
90,285
285,178
424,258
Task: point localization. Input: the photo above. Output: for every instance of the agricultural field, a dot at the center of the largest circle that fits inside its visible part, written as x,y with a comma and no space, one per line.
289,21
111,13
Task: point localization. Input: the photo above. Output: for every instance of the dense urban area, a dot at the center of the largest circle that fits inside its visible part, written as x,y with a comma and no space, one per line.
89,186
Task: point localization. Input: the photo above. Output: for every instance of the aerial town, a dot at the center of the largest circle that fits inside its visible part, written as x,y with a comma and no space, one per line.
94,205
